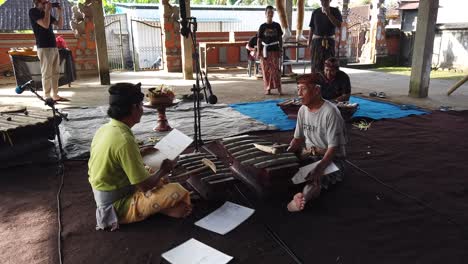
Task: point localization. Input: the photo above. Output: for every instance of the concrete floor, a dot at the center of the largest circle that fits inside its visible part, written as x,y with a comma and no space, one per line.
233,85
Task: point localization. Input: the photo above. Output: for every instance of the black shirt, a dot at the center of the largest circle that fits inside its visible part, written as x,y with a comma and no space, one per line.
270,33
337,87
45,38
253,42
321,24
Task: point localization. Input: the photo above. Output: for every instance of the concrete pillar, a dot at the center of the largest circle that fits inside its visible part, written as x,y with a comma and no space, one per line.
101,44
171,38
187,51
423,48
342,45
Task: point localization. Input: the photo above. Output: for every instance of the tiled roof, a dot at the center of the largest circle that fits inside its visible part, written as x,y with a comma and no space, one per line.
359,15
14,15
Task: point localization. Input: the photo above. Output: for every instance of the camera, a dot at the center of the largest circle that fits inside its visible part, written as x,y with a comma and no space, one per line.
55,4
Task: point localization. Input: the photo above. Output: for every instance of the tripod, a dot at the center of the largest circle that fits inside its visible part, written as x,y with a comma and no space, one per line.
190,29
51,103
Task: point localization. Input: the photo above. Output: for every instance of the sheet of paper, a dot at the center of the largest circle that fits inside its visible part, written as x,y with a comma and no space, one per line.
195,252
173,144
300,176
169,147
225,218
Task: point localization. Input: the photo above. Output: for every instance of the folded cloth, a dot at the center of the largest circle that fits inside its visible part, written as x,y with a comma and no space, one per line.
266,45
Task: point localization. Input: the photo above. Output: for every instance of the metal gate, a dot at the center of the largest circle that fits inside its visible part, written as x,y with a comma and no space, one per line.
147,45
357,38
117,42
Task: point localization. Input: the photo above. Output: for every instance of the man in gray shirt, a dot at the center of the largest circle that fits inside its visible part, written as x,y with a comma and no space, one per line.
320,129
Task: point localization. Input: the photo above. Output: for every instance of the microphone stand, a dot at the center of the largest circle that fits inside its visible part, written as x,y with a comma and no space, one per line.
51,103
191,30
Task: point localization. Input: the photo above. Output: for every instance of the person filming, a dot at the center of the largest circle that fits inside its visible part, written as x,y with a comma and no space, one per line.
42,23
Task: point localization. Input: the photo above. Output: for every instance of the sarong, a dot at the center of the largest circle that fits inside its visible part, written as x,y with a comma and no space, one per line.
158,199
271,71
321,50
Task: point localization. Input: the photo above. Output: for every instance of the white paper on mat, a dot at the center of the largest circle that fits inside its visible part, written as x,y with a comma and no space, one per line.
225,218
169,147
195,252
300,176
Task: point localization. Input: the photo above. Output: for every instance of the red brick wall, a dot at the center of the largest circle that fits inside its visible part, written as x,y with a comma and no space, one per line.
393,44
84,48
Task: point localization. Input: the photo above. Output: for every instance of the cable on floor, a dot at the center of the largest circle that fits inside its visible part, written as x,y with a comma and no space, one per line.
271,232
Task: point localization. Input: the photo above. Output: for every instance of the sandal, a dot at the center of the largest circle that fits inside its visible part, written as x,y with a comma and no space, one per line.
381,95
373,94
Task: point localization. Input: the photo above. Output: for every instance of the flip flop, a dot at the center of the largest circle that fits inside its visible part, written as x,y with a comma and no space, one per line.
444,108
373,94
61,99
381,95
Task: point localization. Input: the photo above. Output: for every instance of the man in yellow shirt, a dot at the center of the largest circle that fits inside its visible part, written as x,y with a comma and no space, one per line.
124,190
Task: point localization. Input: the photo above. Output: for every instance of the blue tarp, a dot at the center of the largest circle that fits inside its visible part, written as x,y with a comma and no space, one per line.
266,112
269,113
380,110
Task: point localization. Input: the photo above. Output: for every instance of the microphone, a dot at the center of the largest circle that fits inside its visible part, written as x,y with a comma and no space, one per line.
20,89
184,29
212,99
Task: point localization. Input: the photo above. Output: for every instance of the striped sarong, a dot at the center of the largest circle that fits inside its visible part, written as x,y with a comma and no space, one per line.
321,50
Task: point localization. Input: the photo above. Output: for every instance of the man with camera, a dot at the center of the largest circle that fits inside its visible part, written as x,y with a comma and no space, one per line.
42,23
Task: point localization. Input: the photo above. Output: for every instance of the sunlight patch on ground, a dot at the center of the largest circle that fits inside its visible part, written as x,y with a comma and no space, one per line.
447,75
31,241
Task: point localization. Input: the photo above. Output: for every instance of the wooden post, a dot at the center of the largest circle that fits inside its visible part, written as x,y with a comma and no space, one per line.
458,84
101,44
423,48
289,12
187,51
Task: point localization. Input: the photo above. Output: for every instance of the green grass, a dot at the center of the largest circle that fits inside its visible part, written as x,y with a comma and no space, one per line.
435,74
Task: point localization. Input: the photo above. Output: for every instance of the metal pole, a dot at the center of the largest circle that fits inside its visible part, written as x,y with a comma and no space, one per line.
121,45
133,47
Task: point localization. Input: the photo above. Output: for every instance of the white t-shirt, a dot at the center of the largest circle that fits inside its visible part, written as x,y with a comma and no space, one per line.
323,128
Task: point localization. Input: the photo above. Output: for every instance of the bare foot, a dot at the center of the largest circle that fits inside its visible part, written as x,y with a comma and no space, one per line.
180,210
60,99
297,203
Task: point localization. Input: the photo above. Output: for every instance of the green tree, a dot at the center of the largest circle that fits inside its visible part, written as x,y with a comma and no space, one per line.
315,5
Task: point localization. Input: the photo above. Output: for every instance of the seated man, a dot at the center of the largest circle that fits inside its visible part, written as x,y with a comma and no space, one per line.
320,129
335,83
124,190
251,47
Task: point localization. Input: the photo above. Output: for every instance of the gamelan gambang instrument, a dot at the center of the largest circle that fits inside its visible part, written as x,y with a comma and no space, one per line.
259,169
204,174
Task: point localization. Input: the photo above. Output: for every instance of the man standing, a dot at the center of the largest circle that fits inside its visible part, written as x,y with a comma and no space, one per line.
124,190
321,41
320,129
42,23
